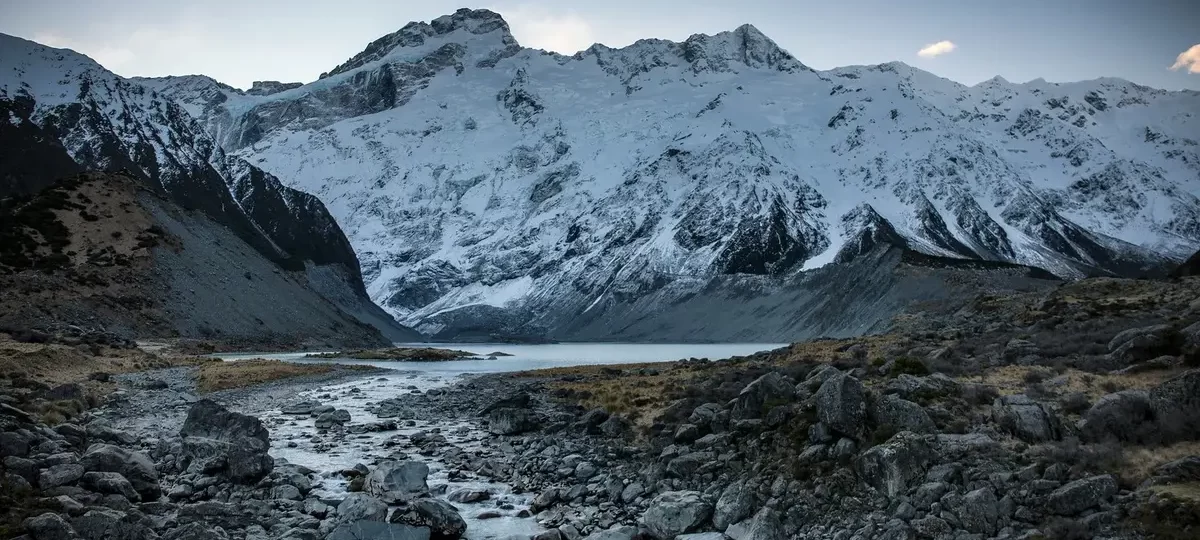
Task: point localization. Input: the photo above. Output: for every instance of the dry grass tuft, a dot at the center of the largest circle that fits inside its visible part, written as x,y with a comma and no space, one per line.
1140,462
215,376
1010,380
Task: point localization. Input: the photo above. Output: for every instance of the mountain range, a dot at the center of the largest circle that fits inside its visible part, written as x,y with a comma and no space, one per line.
710,189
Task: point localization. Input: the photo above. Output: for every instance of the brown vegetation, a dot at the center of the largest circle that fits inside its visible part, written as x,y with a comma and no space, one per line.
220,375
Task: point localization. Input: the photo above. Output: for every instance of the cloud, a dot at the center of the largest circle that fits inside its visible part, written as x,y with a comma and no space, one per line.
936,49
537,28
1189,59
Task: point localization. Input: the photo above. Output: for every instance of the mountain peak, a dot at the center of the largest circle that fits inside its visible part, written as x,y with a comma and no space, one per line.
745,44
476,22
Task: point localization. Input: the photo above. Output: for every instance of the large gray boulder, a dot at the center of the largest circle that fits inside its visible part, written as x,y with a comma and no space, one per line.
359,507
219,441
109,483
398,481
676,512
895,414
735,504
617,532
1081,495
136,467
440,517
1176,406
761,395
377,530
511,421
842,406
1141,344
60,475
766,525
48,526
1025,418
1122,416
979,513
893,466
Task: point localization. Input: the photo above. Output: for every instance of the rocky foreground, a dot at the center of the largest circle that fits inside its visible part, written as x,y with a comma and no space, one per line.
1062,416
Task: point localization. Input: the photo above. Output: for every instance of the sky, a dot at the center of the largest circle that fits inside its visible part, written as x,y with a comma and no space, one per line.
1151,42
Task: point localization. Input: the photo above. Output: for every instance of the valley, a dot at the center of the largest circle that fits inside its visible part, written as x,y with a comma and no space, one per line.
460,288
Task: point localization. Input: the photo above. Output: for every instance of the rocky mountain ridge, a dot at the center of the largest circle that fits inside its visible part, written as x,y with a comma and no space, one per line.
490,188
67,113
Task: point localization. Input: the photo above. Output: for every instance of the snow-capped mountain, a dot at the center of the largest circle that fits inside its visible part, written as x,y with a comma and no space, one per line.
488,186
108,123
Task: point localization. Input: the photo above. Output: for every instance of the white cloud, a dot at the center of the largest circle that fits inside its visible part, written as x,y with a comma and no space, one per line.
1189,59
936,49
537,28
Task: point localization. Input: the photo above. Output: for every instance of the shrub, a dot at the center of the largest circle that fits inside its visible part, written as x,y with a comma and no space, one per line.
980,394
906,365
1075,403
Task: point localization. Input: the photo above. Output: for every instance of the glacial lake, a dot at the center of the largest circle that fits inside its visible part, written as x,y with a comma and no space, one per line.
526,357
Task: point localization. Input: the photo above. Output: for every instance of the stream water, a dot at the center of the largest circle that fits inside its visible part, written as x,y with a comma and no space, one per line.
296,440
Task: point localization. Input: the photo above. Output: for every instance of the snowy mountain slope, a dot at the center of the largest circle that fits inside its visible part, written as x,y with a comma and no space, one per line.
490,186
108,123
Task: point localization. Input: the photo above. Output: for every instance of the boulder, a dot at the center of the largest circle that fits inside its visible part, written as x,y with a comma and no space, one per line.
195,531
703,415
377,530
892,466
338,417
766,525
109,483
468,496
136,467
361,507
519,400
676,512
48,526
615,426
1141,344
398,481
895,414
510,421
818,376
1122,416
1080,495
842,406
761,395
440,517
978,513
303,408
618,532
216,440
1025,418
735,504
106,524
60,475
1176,405
934,386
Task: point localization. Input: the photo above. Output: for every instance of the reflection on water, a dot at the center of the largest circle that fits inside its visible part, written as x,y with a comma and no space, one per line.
525,357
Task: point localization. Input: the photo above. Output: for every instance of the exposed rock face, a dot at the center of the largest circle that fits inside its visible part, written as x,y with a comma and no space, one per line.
759,397
511,421
1026,418
359,507
677,512
217,440
66,105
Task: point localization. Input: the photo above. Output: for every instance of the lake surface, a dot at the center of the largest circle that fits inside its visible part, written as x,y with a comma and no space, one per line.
526,357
